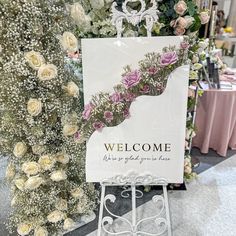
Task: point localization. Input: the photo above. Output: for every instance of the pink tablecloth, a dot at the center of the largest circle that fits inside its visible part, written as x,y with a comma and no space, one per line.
216,121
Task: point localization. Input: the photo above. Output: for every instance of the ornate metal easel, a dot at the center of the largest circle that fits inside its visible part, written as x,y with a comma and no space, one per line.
162,218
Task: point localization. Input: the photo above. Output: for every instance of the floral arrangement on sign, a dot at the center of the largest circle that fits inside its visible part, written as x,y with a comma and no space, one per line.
178,17
149,79
39,100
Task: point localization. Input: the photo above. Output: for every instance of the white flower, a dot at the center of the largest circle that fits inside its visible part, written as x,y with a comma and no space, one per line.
35,59
187,170
20,183
46,162
10,171
97,4
204,17
61,205
58,175
47,72
79,209
78,15
40,231
68,224
56,216
203,44
197,66
69,42
70,129
195,59
24,229
34,107
62,158
31,168
20,149
72,89
193,75
38,149
189,20
130,33
77,192
33,182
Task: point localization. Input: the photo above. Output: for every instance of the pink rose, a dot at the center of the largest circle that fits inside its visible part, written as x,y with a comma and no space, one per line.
152,70
179,31
108,116
126,113
181,22
131,79
168,58
145,89
98,125
129,97
116,97
73,55
87,111
204,17
184,45
77,135
180,7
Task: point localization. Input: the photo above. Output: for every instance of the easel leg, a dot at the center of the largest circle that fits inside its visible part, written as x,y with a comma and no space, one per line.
167,210
101,210
134,224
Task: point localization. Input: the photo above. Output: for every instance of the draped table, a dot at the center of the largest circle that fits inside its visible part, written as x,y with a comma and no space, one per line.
216,121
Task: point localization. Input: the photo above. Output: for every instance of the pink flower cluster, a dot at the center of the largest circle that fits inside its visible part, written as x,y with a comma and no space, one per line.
168,58
131,79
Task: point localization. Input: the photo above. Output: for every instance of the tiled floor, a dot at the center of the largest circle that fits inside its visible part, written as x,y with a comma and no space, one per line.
193,202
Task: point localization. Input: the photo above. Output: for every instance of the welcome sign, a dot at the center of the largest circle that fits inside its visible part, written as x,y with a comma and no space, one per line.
152,139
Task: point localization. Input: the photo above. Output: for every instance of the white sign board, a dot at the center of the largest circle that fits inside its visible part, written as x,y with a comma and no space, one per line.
152,140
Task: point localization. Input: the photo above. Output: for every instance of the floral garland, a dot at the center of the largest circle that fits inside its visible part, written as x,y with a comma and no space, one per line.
150,79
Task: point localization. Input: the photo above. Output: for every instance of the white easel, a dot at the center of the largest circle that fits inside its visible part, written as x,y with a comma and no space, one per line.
134,17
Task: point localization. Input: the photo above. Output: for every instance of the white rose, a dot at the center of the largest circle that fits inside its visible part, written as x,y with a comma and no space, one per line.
69,42
10,171
40,231
197,66
20,149
187,162
46,162
24,229
203,44
193,75
62,158
20,184
47,72
78,14
68,224
38,149
56,216
204,17
77,192
72,89
33,182
69,130
34,107
35,59
195,59
61,205
31,168
97,4
58,175
189,20
188,170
